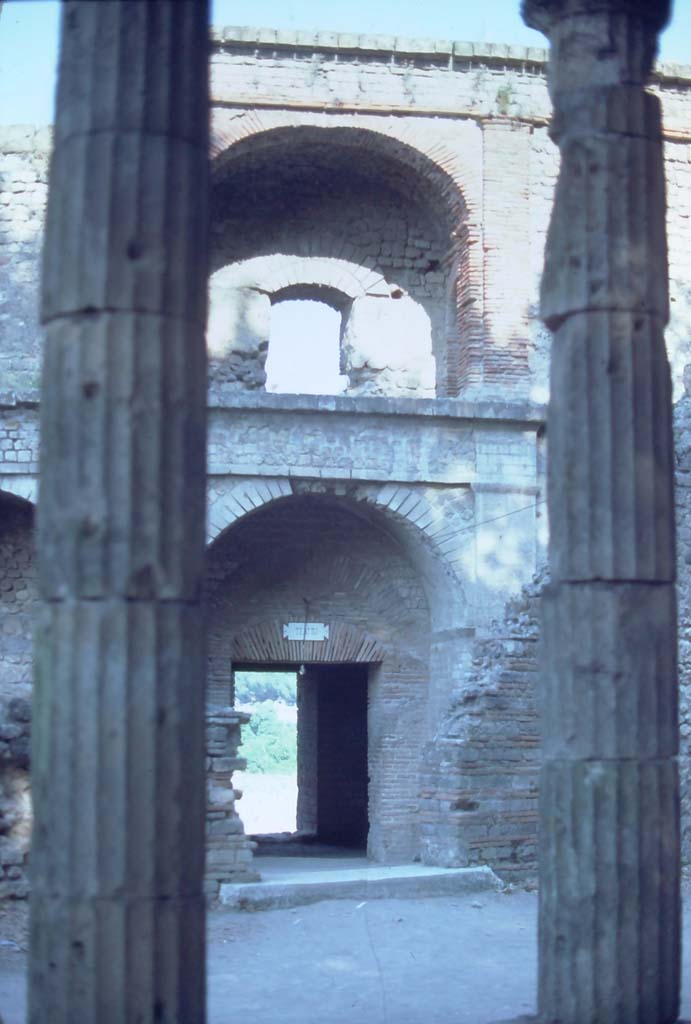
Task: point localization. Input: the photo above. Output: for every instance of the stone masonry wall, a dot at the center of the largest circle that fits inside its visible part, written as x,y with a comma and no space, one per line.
24,154
17,596
228,850
682,441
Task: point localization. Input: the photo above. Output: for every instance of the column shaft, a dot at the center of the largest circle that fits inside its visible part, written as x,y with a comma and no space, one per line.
117,912
609,817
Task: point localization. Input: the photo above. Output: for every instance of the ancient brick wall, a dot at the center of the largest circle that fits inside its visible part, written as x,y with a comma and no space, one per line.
411,183
480,775
24,153
19,441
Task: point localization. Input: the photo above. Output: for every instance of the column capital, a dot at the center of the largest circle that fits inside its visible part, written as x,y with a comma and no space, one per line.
596,43
543,15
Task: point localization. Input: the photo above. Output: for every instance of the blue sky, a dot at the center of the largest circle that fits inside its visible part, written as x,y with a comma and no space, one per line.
29,32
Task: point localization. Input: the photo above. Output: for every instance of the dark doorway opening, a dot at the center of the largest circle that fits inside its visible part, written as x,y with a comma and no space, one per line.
332,755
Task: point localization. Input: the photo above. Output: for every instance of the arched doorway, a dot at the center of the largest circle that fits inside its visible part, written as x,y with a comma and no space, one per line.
311,561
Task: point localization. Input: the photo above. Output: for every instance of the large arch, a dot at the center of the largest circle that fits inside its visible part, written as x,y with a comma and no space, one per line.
353,193
312,557
19,486
432,528
457,171
473,789
429,179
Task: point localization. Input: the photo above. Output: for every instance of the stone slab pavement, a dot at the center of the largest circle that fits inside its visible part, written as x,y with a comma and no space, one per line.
468,959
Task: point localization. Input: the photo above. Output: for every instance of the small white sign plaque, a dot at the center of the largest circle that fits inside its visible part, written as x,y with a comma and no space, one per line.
305,631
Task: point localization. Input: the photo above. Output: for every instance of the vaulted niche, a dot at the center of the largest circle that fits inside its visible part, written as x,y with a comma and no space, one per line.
349,195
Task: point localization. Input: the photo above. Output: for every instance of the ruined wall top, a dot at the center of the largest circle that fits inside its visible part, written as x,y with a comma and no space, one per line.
351,45
346,49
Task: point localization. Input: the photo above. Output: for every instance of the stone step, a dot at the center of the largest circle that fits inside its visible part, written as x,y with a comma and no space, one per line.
292,884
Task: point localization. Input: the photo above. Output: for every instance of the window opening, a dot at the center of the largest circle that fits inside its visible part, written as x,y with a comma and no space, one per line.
304,354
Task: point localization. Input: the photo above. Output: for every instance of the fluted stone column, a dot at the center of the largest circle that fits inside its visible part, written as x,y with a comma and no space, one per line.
609,868
117,928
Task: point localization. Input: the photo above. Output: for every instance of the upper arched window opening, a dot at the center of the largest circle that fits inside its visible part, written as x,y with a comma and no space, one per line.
317,326
304,355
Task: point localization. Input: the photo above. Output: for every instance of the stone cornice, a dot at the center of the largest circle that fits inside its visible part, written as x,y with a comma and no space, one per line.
517,411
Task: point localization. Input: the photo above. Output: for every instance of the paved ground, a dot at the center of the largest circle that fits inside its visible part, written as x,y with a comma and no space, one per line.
467,960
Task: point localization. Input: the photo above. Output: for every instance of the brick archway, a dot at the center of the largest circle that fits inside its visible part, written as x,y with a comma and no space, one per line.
454,173
410,507
314,558
24,488
278,272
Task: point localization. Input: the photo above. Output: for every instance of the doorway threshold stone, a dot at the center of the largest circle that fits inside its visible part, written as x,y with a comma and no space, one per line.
308,880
